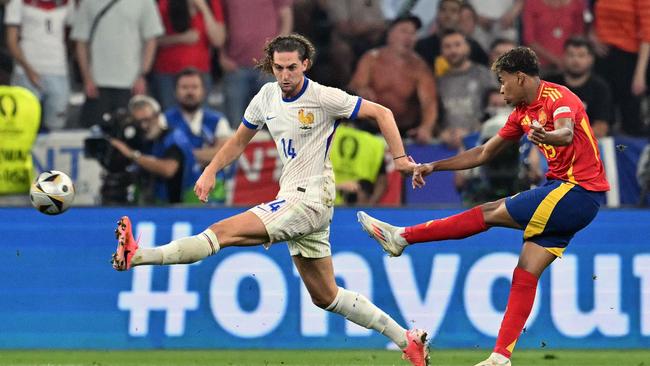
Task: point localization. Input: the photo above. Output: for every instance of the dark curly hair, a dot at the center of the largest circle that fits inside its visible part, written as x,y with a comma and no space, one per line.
290,43
521,59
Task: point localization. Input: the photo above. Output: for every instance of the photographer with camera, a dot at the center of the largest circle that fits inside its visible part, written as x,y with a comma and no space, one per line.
168,157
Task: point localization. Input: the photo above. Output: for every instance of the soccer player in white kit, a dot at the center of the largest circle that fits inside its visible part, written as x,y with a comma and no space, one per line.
301,116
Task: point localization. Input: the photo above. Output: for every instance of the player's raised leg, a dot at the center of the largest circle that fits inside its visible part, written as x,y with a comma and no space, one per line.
318,276
244,229
394,239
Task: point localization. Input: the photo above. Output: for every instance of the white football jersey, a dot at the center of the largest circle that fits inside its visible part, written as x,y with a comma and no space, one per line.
42,32
302,128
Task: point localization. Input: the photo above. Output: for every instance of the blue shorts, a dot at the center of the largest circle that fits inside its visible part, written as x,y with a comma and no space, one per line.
553,213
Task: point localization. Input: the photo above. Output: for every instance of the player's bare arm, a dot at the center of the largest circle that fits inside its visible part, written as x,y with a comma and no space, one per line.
562,135
230,151
465,160
388,127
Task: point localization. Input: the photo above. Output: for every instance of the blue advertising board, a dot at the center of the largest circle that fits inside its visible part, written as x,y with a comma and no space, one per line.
58,289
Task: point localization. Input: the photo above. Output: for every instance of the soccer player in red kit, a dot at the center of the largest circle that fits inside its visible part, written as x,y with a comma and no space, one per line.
555,120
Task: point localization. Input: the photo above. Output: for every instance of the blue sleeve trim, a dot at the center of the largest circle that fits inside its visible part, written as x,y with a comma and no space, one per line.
248,124
356,109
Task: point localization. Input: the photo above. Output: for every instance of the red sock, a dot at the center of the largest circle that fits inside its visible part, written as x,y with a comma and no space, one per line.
459,226
520,303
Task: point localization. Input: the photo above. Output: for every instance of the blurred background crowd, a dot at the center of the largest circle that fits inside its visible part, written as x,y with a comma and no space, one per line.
151,89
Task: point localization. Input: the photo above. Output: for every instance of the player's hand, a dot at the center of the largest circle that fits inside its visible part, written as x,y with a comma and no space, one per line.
421,171
204,185
537,133
405,165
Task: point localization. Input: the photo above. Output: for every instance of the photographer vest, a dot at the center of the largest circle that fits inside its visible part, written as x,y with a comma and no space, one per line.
191,170
20,117
207,137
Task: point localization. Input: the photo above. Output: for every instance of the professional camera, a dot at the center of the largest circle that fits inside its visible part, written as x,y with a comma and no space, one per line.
118,179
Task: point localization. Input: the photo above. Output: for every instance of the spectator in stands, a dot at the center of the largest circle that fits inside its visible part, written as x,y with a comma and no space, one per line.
359,26
395,76
204,128
462,90
359,167
590,88
547,24
498,18
115,52
3,5
249,25
424,9
169,156
20,115
500,46
622,42
468,24
192,27
36,40
447,18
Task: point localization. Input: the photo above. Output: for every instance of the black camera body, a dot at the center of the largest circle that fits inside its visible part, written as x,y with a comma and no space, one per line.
118,178
116,125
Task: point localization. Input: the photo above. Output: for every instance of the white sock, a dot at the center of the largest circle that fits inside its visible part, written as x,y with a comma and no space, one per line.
185,250
359,310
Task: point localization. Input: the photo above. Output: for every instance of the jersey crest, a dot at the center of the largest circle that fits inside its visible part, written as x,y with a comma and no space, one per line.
306,120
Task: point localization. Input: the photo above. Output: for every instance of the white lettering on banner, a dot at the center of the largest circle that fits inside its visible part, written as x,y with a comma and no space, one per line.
428,311
356,274
253,169
606,315
273,294
477,293
141,300
642,270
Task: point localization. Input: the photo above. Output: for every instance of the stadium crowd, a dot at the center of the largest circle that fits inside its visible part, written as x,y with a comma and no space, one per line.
427,60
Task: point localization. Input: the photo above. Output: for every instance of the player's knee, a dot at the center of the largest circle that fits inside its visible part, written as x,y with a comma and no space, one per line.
493,212
323,300
223,233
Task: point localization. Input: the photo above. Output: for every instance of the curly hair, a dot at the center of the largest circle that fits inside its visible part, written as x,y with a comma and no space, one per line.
521,59
290,43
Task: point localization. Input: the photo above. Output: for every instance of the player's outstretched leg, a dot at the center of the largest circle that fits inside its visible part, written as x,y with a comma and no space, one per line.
180,251
395,238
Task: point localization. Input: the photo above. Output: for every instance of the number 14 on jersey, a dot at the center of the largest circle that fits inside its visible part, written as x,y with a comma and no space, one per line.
288,149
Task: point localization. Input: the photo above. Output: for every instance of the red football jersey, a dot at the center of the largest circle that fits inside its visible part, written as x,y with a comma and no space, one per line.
578,162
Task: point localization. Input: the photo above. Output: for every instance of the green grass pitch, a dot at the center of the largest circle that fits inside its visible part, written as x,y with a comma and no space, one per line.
316,358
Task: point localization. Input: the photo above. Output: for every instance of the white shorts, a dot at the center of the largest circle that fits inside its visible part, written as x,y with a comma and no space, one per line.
304,225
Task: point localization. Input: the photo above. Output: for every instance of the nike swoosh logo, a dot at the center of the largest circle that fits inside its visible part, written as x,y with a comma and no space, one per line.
270,118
